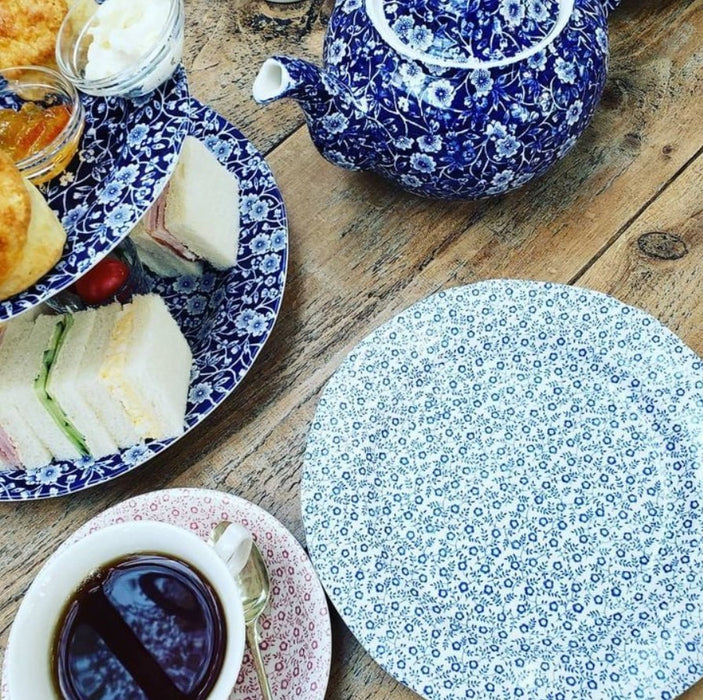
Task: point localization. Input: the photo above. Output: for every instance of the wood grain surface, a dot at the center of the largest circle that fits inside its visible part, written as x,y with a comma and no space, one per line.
622,213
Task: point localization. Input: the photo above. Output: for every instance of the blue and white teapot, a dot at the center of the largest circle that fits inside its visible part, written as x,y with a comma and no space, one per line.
450,98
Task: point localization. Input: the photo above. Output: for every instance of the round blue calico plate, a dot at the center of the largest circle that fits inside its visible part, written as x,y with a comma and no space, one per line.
502,497
127,153
226,316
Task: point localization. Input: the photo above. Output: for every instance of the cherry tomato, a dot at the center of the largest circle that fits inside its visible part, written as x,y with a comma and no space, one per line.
102,282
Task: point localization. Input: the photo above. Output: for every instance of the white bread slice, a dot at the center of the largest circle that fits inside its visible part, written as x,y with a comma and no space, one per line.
92,388
24,440
70,379
160,258
26,398
7,461
147,367
202,205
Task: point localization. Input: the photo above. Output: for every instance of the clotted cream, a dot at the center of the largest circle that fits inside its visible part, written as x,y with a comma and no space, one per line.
123,32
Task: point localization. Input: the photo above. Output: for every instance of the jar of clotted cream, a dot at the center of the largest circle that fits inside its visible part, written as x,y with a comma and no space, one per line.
121,47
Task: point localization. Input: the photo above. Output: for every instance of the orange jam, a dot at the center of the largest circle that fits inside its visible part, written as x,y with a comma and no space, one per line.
32,128
26,132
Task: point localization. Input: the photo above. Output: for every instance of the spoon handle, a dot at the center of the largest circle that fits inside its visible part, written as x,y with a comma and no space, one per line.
253,641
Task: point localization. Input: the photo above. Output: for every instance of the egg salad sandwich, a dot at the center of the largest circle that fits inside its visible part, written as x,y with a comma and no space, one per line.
31,236
195,219
146,368
90,383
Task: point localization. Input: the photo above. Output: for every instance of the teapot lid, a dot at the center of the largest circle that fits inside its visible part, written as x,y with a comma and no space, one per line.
469,33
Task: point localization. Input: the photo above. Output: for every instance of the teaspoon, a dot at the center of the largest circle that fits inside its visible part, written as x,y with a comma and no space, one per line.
255,588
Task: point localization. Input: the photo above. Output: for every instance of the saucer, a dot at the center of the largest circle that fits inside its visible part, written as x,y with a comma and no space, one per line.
296,642
501,495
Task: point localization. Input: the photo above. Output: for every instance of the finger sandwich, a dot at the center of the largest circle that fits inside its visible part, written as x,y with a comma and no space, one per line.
195,219
29,396
146,368
73,382
20,443
90,383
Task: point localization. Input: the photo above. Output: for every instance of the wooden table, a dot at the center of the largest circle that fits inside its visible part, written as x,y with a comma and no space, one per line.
623,214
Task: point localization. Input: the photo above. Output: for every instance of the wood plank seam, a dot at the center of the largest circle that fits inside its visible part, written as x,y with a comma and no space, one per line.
625,226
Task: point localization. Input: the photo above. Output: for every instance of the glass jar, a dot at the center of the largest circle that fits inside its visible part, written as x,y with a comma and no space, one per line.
146,55
27,94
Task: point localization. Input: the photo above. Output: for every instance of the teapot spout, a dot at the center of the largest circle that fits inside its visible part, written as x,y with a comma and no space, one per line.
281,77
338,123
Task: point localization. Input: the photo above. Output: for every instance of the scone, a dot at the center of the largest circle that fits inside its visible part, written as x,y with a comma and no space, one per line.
28,30
31,236
15,213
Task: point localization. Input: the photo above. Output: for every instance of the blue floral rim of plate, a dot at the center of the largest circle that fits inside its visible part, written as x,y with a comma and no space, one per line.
226,316
501,495
128,151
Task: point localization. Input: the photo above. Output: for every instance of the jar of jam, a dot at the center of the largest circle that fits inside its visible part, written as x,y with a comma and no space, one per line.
41,121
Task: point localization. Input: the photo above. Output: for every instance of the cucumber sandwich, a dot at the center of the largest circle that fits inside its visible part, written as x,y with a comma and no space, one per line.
87,384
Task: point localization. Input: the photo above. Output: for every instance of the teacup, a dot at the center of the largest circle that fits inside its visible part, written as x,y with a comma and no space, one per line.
31,652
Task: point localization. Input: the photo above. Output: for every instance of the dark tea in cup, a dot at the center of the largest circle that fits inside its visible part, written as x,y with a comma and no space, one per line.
139,610
145,627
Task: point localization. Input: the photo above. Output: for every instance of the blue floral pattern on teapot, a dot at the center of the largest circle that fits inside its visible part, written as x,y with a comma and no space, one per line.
459,30
450,98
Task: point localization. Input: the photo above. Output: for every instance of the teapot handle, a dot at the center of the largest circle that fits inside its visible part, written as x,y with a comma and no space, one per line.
610,5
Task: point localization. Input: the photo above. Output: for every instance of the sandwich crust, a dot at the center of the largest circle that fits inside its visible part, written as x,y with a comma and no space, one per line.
15,213
28,30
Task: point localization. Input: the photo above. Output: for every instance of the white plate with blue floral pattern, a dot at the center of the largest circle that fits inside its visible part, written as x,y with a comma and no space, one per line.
501,495
226,316
128,151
